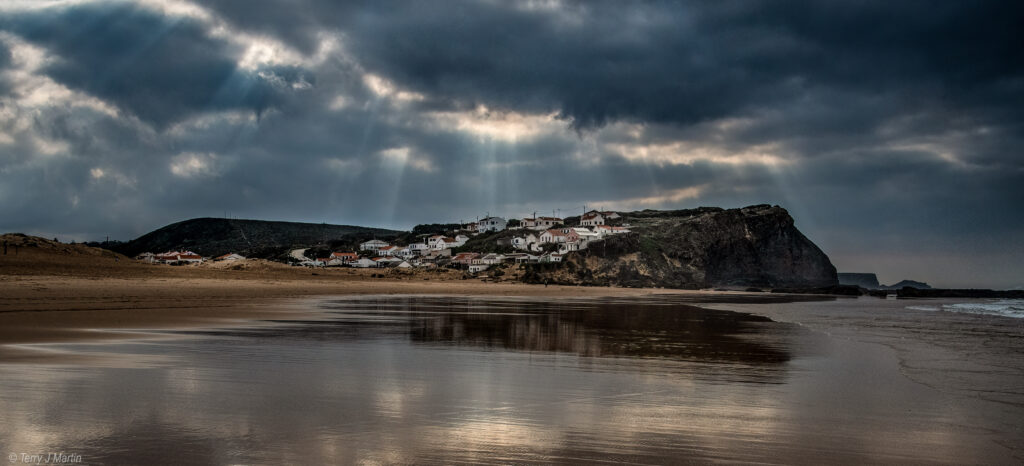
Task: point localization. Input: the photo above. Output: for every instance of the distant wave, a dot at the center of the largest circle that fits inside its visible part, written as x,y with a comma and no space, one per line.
1005,308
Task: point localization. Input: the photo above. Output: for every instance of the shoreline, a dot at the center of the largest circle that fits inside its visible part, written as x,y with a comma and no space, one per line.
71,307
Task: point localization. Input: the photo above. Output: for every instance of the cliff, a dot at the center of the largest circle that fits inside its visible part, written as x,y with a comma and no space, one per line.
756,246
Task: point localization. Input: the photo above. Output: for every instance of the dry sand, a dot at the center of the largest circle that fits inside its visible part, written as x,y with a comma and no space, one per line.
52,292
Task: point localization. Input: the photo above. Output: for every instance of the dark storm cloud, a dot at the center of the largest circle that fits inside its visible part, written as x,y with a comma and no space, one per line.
158,68
5,56
892,127
679,62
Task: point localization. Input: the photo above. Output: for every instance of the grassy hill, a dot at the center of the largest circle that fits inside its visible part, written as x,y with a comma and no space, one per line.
256,238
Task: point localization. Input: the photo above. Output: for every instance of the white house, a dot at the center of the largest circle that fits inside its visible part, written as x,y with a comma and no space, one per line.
585,234
523,242
559,236
521,257
332,261
179,257
344,256
541,223
388,251
571,246
491,224
387,261
363,263
372,245
592,218
551,257
492,259
438,242
475,268
419,249
605,230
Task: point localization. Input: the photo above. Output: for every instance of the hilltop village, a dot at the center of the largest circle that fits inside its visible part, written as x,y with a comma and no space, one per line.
527,240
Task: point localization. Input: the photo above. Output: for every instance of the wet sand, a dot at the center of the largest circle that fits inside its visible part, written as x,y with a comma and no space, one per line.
52,301
499,380
520,373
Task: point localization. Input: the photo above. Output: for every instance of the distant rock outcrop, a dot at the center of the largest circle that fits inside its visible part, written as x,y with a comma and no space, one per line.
907,284
756,246
870,281
863,280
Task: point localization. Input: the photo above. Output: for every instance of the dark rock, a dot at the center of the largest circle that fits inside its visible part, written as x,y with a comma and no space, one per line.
863,280
907,283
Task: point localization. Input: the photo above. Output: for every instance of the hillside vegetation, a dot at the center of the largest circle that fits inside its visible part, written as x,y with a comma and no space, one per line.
256,238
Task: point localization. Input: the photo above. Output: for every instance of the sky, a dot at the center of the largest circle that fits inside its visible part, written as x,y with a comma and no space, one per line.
893,132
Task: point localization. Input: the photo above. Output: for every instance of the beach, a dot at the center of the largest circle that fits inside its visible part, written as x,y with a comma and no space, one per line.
262,364
50,297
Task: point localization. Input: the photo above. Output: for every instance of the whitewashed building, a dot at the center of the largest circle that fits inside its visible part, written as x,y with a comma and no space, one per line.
525,242
491,224
388,251
551,257
585,234
363,262
592,218
605,230
419,249
372,245
566,235
541,223
491,259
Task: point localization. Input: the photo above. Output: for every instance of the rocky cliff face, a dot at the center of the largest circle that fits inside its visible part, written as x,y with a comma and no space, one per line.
700,248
